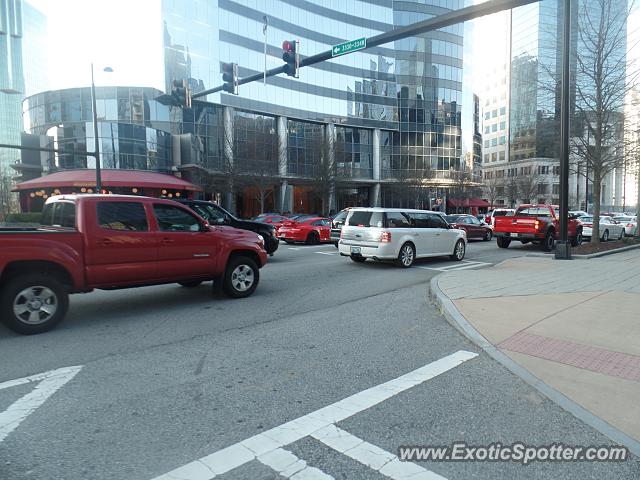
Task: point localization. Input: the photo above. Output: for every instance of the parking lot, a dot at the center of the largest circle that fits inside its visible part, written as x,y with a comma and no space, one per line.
324,372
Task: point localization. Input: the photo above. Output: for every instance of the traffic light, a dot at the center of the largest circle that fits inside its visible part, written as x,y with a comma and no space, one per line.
181,93
291,56
230,77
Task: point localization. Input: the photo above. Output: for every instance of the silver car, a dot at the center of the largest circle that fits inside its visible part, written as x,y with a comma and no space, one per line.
630,224
609,229
400,235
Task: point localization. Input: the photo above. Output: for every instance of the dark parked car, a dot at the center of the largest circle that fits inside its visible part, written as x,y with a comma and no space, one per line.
336,225
216,215
470,224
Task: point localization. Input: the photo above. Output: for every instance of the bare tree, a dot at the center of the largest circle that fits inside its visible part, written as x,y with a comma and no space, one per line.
491,185
601,87
323,172
261,176
6,196
528,184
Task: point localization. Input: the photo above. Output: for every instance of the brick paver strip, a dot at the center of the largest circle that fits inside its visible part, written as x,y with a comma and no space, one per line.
595,359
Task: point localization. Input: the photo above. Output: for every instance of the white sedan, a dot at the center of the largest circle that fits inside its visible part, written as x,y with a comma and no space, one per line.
609,229
630,224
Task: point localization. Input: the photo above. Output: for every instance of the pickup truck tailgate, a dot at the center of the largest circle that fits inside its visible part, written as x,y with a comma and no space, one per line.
515,224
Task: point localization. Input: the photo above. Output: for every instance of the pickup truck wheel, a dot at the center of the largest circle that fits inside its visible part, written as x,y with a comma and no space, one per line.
503,242
458,251
33,303
548,243
241,277
577,240
191,284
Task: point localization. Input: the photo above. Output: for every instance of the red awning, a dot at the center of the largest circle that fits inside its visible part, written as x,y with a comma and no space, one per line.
473,202
110,178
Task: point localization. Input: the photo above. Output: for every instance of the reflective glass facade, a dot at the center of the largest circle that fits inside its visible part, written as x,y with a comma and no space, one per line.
536,58
410,89
134,129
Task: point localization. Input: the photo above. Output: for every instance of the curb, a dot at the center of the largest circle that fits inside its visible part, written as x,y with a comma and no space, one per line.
606,252
457,320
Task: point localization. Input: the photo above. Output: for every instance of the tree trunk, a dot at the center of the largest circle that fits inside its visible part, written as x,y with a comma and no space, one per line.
597,186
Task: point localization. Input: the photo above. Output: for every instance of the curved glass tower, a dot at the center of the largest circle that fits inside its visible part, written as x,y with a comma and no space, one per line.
394,113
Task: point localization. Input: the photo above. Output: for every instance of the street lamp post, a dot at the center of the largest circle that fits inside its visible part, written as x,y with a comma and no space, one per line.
96,139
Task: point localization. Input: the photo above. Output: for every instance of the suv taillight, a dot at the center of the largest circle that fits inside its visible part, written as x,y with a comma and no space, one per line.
385,237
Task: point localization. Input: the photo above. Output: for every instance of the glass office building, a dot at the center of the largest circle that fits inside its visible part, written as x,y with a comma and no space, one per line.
135,130
393,114
11,78
394,121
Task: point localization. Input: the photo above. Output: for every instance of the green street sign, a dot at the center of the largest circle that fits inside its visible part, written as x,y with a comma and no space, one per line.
348,47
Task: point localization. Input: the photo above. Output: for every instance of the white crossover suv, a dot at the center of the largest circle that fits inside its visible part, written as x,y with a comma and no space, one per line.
399,234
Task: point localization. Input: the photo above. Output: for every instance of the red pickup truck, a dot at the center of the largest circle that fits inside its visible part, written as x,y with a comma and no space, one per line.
109,242
535,224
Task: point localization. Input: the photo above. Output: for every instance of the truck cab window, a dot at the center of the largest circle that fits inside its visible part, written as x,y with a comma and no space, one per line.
122,216
175,219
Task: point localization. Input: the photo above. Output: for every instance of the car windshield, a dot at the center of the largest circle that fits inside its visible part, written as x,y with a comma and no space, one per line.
586,218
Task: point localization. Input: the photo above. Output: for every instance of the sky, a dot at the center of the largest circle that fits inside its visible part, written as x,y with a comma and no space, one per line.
125,35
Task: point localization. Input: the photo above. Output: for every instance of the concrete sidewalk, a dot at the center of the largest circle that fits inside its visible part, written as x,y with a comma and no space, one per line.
575,325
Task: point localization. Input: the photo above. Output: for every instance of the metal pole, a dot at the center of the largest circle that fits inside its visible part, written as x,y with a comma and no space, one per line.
563,248
95,134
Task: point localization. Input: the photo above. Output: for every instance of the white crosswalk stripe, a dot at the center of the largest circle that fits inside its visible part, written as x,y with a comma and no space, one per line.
373,457
289,466
464,265
266,447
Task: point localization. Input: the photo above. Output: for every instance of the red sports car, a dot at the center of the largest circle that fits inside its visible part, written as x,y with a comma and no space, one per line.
276,220
309,230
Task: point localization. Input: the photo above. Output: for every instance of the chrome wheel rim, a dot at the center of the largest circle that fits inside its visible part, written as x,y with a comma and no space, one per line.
242,278
605,237
35,305
460,250
406,255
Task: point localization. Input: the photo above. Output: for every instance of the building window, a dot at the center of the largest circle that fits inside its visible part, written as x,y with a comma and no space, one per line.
494,113
503,111
556,169
305,142
486,157
542,189
354,152
503,140
502,155
556,189
494,156
543,169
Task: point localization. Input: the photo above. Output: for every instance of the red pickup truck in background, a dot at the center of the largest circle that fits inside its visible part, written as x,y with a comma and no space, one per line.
91,242
535,224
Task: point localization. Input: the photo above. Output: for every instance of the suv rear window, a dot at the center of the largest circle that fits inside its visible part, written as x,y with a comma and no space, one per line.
365,219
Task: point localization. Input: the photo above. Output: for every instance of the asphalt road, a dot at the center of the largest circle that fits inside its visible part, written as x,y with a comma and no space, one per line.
169,375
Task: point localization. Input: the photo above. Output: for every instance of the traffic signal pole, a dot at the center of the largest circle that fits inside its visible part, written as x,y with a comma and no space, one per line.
435,23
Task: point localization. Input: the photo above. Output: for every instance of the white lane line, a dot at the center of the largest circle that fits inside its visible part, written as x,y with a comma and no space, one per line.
49,383
243,452
289,466
327,253
373,457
